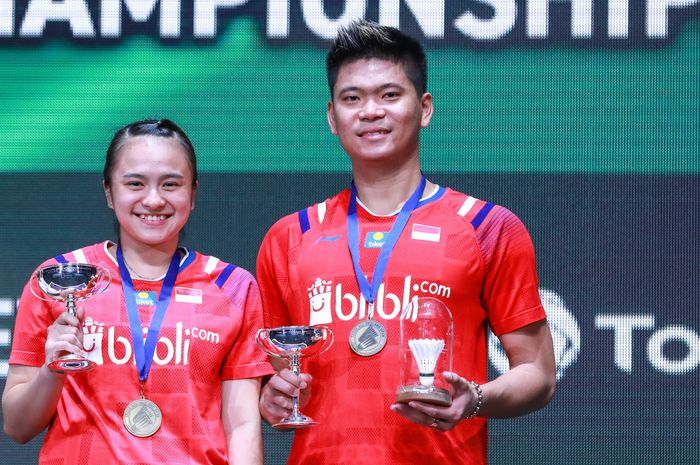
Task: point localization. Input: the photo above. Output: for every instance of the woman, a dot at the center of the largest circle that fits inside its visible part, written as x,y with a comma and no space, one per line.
189,392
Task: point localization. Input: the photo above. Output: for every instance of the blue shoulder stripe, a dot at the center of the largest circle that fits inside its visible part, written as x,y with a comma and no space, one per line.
225,273
304,220
479,218
441,191
190,258
60,259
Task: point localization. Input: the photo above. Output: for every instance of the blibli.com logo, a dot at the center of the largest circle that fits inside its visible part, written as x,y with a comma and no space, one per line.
174,352
327,301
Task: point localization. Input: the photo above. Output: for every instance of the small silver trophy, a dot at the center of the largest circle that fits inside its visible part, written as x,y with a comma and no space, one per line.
70,283
291,343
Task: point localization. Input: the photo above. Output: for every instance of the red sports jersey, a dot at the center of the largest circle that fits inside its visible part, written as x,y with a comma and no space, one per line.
207,337
474,256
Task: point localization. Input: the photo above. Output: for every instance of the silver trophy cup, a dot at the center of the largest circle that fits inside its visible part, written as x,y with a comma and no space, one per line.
292,343
70,283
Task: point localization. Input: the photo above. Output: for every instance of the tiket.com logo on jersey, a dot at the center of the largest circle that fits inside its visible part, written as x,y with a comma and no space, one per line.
146,298
375,240
182,294
327,301
99,344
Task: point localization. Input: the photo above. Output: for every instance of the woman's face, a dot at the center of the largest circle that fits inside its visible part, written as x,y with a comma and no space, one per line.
151,191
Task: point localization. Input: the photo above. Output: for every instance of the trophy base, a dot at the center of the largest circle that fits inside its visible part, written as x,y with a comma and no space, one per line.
71,364
297,422
430,394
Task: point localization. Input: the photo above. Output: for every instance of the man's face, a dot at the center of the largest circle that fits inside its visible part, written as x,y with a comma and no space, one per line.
376,112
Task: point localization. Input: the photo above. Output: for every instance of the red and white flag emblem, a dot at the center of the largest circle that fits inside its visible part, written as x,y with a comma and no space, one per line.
423,232
188,296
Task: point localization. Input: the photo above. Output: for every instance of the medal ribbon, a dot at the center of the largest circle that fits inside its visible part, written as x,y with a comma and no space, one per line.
370,291
143,351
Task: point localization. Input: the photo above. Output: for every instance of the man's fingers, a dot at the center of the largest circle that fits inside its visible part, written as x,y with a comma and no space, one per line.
454,379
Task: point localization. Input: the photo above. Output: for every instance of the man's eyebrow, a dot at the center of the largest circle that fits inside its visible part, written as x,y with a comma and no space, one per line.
380,87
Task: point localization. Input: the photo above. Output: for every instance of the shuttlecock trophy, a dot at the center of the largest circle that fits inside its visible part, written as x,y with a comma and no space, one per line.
425,351
70,283
291,343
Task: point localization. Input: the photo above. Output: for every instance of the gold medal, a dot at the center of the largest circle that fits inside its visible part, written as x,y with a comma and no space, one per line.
142,418
368,338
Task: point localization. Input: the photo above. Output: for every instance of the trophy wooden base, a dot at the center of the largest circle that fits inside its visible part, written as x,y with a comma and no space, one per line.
430,395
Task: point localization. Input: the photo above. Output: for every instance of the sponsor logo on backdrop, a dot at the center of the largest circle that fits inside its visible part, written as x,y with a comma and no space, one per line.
7,311
566,335
625,328
506,22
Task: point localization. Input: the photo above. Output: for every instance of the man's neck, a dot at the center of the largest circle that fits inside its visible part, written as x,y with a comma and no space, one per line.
385,193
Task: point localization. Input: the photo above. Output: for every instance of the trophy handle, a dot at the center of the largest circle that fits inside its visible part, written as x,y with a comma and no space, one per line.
104,283
328,340
38,294
263,341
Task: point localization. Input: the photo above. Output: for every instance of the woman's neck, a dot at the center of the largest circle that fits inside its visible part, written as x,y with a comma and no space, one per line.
145,261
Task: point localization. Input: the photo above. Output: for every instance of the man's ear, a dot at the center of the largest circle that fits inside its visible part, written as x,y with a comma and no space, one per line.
331,118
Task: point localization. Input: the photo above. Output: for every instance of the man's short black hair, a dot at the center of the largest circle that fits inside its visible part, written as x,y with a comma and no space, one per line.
365,39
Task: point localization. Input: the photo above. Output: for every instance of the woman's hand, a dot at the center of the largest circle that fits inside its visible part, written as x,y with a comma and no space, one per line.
65,335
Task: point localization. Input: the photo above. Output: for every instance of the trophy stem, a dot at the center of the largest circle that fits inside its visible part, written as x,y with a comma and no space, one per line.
71,363
70,304
295,363
296,419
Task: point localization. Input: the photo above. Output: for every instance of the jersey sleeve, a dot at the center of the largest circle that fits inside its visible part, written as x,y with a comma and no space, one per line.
273,271
510,291
245,359
34,316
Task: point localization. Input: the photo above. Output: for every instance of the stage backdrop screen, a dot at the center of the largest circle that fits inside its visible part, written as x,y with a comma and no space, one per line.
582,117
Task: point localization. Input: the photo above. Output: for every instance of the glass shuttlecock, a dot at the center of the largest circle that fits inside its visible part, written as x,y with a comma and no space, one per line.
426,353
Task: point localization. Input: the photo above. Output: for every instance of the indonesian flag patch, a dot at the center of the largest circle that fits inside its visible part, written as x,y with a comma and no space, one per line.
188,296
422,232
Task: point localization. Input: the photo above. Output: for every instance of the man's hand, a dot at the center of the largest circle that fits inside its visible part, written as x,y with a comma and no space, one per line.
464,401
276,396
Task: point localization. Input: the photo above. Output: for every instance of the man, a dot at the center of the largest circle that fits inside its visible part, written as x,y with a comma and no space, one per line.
323,265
